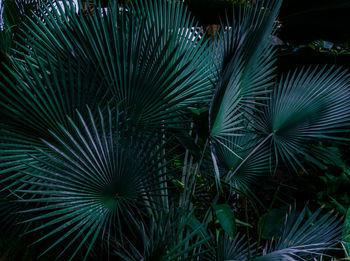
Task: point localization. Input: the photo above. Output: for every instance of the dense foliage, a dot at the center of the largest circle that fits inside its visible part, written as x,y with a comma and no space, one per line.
127,135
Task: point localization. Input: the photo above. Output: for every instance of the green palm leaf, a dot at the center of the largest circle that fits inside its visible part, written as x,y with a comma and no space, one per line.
36,100
228,249
5,46
304,239
305,107
246,58
94,183
16,12
70,60
146,54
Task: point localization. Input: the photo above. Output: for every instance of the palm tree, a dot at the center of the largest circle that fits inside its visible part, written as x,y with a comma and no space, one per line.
101,151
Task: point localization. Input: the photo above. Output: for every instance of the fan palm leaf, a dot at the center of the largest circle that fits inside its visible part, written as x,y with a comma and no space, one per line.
245,67
95,181
91,100
305,107
36,100
232,249
145,52
304,239
71,60
245,72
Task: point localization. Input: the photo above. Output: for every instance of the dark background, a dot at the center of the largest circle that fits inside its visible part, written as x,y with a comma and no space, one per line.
302,22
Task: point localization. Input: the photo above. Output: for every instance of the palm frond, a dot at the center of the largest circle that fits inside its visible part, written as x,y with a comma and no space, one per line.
92,183
5,44
16,13
246,58
305,107
36,100
145,52
304,239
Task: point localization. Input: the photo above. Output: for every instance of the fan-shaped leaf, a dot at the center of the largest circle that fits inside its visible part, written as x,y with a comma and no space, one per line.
305,107
245,68
304,238
143,52
95,181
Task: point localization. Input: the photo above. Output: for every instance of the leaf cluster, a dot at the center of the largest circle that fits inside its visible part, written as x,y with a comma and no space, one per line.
102,153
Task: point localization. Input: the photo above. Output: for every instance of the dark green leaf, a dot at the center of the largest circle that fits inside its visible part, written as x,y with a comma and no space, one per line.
226,218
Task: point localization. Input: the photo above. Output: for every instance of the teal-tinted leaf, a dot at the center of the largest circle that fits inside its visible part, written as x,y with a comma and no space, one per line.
226,218
306,106
332,156
303,237
93,179
166,237
341,208
246,59
145,55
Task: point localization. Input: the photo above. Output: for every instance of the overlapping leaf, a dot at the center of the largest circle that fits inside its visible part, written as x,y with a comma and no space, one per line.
307,106
304,239
36,100
93,183
246,58
143,57
151,60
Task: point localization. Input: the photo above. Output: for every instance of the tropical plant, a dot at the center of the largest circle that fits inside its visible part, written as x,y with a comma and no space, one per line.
102,151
